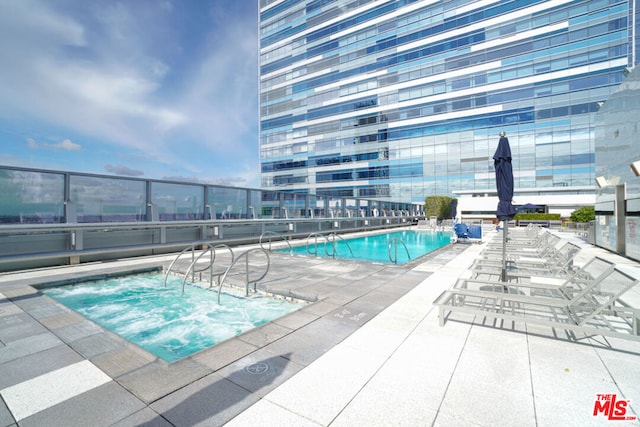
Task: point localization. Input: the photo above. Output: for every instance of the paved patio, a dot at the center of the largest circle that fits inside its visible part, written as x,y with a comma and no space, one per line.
369,352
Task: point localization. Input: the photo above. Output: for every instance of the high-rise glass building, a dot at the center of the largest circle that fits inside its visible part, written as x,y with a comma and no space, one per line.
404,99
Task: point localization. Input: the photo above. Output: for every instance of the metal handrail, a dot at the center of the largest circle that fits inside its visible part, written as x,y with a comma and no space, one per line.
245,254
395,242
192,248
315,235
193,270
333,245
273,233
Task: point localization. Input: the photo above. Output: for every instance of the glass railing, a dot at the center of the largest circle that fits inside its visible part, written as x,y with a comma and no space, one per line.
36,196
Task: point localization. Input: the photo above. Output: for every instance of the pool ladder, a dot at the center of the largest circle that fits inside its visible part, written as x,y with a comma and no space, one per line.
331,239
247,268
210,249
393,244
271,234
205,249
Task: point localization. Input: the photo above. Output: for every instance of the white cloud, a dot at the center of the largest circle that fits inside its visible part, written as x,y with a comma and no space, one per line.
37,25
221,97
182,92
61,78
66,145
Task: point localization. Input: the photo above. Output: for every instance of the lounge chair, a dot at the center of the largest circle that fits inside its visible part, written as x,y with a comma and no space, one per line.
541,243
567,287
590,306
522,234
555,261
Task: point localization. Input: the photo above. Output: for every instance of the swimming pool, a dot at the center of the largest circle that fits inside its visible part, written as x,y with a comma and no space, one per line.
161,319
375,248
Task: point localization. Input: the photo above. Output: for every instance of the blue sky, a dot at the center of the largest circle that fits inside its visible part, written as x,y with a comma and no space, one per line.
148,88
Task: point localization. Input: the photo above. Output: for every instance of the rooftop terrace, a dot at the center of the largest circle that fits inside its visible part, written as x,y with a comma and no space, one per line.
370,351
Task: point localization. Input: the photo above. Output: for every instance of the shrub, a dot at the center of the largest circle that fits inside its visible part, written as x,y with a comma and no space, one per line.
439,206
537,217
583,214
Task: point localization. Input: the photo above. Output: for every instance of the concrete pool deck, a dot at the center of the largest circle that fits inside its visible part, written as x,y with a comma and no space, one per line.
369,352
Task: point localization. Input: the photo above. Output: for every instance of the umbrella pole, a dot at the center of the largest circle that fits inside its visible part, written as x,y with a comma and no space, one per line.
503,278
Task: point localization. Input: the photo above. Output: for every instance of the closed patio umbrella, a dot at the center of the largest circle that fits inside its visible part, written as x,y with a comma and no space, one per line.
504,185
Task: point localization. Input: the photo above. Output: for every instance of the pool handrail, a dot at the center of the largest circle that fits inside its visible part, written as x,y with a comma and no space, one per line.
394,242
315,243
273,233
333,245
192,248
193,270
247,281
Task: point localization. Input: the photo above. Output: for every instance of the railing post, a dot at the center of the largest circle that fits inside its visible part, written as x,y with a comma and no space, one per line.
247,203
205,202
212,256
148,204
193,270
246,269
70,213
395,249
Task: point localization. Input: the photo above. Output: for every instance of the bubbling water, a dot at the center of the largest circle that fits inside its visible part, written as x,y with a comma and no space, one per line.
163,320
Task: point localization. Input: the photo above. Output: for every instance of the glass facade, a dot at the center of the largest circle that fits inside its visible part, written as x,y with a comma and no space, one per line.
617,150
403,99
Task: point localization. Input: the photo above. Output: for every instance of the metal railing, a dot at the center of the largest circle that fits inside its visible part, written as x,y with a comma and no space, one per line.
193,270
315,243
332,240
192,250
248,279
394,244
326,239
273,234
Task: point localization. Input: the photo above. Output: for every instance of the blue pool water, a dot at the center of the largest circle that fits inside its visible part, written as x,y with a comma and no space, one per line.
162,320
375,248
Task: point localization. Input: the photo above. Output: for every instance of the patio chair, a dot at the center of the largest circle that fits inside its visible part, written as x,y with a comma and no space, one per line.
522,235
544,241
467,233
590,307
461,231
579,280
554,261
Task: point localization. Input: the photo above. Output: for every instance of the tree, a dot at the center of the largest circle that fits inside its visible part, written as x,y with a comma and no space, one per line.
583,214
439,206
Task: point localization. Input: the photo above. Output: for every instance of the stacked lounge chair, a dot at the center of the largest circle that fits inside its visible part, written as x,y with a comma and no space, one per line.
549,261
579,300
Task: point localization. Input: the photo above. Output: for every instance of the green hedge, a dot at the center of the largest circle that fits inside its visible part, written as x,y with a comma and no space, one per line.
439,206
537,217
